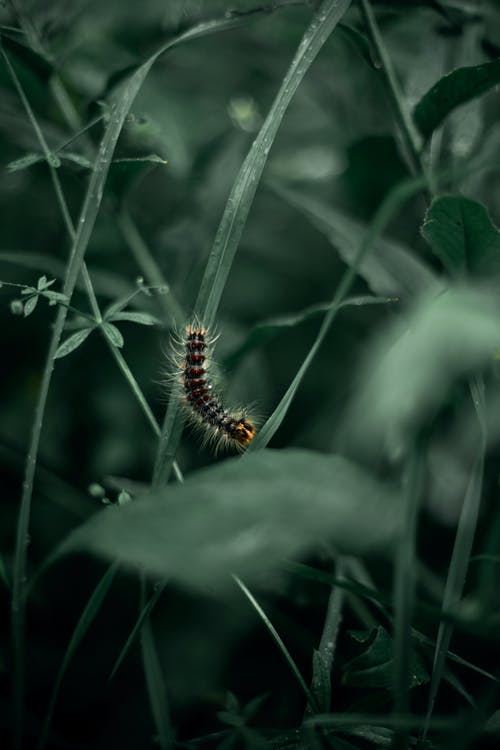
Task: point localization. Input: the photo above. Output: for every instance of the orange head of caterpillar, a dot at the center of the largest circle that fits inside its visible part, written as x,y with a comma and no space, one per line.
243,432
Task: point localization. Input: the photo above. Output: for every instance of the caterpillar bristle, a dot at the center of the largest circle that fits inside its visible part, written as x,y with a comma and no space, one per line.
222,428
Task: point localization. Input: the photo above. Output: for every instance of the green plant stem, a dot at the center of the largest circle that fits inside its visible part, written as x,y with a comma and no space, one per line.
328,642
85,226
404,591
462,549
407,130
277,638
238,207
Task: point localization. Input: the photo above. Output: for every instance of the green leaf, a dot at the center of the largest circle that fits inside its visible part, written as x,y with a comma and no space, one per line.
30,305
148,158
245,517
73,342
269,329
24,162
454,89
462,235
54,297
42,283
361,43
113,334
144,319
374,667
390,268
414,363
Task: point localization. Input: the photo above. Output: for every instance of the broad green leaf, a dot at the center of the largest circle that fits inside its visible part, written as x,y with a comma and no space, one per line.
462,235
73,342
244,517
374,667
113,334
415,361
144,319
451,91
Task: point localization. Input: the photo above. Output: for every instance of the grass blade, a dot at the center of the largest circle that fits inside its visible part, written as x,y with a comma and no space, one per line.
461,553
311,700
404,591
144,613
238,207
88,215
86,619
155,684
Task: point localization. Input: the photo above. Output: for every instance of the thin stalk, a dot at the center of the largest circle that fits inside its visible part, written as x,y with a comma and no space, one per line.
322,664
404,592
278,640
407,130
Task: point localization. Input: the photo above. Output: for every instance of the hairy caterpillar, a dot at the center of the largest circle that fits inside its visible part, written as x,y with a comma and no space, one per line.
221,426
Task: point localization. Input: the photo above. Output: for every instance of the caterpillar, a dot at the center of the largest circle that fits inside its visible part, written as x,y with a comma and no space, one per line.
222,427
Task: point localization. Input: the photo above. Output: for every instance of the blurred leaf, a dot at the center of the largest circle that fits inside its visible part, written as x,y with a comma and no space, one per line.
454,89
73,342
462,235
245,516
144,319
390,268
413,364
113,334
374,668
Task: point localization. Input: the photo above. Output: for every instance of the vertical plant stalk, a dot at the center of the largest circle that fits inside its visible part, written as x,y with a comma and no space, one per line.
323,657
311,700
84,230
154,680
404,591
407,130
238,208
86,223
462,549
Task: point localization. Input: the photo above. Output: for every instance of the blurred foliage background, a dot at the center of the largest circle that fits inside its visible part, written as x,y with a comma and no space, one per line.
337,155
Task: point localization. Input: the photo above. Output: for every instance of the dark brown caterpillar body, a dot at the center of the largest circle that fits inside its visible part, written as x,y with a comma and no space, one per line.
205,406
